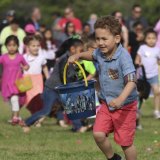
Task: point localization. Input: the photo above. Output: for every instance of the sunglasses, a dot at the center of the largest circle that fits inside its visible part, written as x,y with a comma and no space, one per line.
138,11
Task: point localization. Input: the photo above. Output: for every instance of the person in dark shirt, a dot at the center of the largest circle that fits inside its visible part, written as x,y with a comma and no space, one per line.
50,96
136,16
135,39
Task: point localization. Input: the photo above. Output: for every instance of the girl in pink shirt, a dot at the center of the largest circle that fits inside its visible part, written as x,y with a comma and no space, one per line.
13,63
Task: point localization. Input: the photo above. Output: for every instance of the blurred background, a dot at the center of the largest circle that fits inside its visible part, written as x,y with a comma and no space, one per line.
82,8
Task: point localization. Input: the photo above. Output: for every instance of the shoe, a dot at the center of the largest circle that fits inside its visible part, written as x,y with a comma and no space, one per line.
157,114
139,127
38,124
63,124
15,121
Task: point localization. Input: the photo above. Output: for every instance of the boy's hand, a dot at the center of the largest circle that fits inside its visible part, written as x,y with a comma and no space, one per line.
116,103
73,58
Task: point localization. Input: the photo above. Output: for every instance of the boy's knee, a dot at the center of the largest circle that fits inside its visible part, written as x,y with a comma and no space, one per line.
99,136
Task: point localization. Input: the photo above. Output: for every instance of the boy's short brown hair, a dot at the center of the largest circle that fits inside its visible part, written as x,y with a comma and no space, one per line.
109,23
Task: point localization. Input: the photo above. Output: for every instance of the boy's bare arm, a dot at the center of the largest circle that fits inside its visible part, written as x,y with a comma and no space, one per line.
45,71
84,55
117,102
91,76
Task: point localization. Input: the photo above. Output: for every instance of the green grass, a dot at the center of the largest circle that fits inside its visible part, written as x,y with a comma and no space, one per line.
51,142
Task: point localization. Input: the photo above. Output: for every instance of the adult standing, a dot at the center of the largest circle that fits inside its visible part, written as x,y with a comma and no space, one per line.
69,17
136,38
35,18
10,15
118,15
136,16
92,20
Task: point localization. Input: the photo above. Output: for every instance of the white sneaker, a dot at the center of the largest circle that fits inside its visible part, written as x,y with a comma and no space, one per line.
157,114
139,127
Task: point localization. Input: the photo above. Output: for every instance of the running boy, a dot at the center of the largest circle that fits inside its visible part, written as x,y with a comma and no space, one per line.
118,90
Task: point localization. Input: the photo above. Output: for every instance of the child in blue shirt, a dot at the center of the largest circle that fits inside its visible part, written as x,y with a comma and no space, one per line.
117,90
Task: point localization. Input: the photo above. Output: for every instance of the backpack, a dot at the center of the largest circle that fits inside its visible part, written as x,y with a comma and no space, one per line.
143,86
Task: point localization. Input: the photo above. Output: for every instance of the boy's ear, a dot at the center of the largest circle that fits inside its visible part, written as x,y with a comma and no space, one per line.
117,38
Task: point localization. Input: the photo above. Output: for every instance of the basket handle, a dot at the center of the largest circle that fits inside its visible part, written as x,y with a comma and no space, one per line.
82,70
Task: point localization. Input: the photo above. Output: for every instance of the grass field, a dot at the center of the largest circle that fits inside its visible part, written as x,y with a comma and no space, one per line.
51,142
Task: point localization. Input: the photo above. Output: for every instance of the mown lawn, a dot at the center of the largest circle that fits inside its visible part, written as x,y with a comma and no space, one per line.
51,142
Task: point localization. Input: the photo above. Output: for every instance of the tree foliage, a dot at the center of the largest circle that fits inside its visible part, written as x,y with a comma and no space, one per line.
82,8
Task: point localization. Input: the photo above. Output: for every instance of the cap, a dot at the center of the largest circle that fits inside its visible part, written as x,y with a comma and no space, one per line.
29,28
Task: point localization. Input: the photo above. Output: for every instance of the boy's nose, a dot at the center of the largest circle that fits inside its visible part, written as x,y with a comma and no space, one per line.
100,42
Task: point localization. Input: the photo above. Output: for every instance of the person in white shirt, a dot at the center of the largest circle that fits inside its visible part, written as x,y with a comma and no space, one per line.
37,63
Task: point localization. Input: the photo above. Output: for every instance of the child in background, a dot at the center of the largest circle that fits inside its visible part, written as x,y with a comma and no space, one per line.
148,55
13,63
49,48
117,90
37,63
88,67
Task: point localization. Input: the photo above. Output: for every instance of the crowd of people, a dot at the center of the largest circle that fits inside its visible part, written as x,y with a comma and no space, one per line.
41,52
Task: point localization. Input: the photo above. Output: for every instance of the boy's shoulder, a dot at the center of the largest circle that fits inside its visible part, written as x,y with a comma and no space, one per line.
123,53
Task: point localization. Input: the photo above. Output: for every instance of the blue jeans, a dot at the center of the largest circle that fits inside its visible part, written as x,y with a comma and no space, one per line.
49,97
76,124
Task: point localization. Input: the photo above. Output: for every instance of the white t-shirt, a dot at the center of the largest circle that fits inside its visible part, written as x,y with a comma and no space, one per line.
149,58
35,63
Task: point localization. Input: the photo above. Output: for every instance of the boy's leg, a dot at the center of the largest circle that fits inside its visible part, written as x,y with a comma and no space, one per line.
49,98
124,129
102,127
130,152
104,144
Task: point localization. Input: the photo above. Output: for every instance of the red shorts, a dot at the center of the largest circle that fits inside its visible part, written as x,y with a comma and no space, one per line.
122,122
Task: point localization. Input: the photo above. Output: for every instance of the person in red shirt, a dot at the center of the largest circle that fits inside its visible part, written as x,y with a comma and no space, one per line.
69,16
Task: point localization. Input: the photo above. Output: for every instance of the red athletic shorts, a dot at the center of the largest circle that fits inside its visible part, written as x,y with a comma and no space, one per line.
121,122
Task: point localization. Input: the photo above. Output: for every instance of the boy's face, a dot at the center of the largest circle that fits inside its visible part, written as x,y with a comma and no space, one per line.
76,50
106,41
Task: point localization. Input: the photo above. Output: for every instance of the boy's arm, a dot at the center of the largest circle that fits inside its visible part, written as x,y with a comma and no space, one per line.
45,71
90,76
117,102
84,56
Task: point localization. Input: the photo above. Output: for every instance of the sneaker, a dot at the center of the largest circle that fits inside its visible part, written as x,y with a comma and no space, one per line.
116,157
15,121
38,124
139,127
157,114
